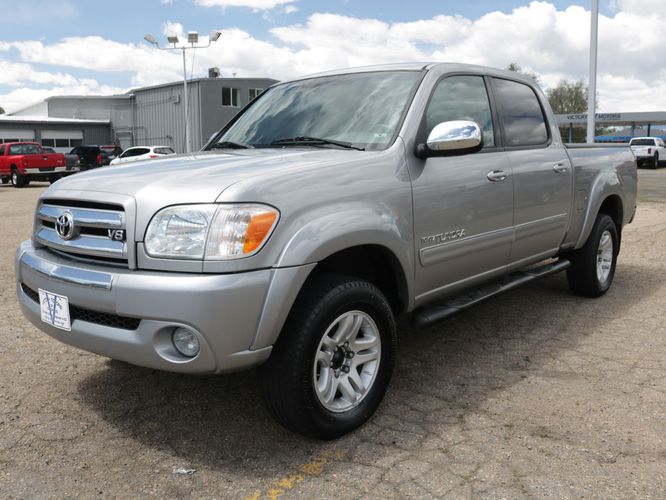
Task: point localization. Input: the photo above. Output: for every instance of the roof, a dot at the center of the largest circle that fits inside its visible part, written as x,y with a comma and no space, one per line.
78,97
197,80
418,66
48,119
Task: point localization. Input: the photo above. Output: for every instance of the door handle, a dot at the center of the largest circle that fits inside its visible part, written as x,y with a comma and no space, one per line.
560,167
497,175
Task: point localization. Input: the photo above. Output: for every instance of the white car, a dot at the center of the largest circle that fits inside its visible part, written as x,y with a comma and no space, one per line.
650,150
137,153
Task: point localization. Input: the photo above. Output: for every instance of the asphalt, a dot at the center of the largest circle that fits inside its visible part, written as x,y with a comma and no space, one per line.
537,393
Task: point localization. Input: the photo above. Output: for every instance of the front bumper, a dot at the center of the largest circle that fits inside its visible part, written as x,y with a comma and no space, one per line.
224,310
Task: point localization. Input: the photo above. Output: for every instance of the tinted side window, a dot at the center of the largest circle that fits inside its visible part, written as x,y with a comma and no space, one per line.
2,150
461,98
522,116
164,151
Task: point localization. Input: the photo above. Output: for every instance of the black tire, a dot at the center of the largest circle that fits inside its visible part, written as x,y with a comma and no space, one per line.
4,180
287,378
18,180
655,160
582,276
53,178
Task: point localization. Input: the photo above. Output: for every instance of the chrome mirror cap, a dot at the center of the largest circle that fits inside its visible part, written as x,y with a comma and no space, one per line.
455,135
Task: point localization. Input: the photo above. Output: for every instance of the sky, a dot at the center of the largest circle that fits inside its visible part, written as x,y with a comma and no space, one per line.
96,47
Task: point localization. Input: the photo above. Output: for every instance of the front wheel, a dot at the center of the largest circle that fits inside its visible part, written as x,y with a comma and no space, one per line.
332,364
655,160
593,266
19,180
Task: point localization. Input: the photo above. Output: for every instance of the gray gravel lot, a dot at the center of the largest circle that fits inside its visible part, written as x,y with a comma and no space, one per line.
535,394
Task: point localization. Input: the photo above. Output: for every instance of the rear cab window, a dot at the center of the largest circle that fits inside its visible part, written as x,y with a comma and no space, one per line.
164,151
522,117
642,142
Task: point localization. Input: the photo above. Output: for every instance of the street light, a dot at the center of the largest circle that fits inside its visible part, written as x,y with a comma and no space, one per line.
192,39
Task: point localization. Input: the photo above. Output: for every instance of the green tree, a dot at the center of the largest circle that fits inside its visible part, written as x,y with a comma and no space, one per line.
568,97
2,110
517,69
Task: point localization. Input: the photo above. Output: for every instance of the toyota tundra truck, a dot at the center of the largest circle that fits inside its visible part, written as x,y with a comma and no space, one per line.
327,207
22,162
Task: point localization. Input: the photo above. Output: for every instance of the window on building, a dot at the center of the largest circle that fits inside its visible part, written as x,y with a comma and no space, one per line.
48,142
75,142
522,116
62,143
254,93
230,97
462,98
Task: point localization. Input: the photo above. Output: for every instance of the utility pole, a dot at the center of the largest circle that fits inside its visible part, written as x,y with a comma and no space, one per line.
192,39
592,85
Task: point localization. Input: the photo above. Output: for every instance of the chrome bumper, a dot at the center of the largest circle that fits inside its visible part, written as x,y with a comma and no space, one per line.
223,310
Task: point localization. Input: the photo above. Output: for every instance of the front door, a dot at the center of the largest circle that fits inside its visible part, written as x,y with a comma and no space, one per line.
462,216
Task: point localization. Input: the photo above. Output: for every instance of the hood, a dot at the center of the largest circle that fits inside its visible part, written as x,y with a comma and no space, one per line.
194,178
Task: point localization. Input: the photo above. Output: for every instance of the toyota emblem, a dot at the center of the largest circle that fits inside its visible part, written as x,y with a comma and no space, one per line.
65,226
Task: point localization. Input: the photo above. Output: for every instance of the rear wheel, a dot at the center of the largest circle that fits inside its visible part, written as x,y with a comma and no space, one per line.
19,180
593,266
332,364
655,160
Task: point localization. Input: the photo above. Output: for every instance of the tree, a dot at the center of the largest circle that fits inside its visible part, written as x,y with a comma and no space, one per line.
2,110
568,97
517,69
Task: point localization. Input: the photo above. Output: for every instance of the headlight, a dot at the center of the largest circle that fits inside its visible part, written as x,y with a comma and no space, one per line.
211,231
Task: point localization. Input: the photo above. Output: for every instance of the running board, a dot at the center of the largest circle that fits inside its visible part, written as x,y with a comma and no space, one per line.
426,317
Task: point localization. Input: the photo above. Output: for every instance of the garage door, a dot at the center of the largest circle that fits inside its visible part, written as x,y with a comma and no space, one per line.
62,140
16,135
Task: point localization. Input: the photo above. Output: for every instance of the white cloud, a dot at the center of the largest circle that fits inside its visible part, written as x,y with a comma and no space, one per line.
252,4
538,36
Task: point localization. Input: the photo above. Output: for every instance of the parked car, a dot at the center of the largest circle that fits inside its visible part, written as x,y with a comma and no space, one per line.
648,150
72,161
326,207
90,156
110,153
22,162
137,153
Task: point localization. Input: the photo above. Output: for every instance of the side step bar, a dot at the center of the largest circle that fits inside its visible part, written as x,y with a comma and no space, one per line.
426,317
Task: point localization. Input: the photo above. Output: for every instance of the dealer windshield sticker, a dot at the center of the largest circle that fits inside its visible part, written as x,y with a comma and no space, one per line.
55,309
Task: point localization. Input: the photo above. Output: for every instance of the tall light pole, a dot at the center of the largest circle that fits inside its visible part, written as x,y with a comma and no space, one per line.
592,87
192,39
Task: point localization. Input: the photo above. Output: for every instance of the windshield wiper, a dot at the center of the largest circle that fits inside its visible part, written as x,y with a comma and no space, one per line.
312,141
230,145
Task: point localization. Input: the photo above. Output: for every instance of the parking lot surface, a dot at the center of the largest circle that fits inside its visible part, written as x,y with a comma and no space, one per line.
535,394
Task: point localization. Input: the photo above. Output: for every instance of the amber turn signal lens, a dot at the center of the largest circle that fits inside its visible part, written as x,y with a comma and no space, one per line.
259,227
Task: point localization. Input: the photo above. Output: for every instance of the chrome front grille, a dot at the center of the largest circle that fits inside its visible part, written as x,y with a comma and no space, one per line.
99,230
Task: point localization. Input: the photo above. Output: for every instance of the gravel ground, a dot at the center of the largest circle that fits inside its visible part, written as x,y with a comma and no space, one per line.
535,394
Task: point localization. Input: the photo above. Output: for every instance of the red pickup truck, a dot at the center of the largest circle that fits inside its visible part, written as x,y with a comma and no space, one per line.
22,162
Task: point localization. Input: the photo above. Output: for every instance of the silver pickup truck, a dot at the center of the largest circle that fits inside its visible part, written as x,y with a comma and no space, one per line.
329,205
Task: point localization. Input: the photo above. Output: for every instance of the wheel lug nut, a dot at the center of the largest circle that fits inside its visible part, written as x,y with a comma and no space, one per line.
345,369
350,354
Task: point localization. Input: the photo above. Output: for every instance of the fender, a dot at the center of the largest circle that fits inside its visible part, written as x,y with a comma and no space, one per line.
606,184
341,227
330,231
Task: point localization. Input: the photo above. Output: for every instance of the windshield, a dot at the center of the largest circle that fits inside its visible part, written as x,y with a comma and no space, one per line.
642,142
362,109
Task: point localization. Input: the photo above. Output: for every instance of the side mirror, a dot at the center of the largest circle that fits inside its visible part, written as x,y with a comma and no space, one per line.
457,136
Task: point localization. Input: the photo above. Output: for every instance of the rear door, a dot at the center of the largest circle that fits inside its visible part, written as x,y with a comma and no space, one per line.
462,216
542,173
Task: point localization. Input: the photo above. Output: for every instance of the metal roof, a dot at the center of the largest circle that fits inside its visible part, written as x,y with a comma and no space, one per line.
48,119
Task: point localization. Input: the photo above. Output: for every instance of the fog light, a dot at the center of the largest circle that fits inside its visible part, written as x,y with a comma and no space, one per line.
186,342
